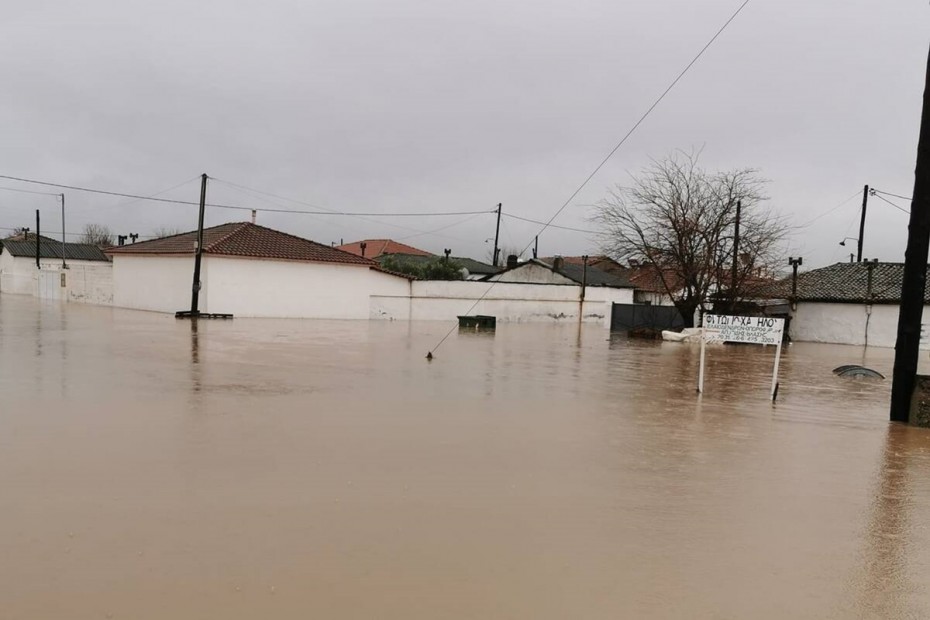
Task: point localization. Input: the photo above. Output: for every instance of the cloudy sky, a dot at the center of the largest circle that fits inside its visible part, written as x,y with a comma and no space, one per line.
429,105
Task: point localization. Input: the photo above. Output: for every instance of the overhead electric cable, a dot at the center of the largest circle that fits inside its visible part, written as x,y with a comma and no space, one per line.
611,153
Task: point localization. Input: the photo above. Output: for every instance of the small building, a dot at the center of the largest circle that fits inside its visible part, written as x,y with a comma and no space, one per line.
250,271
88,277
375,248
844,303
646,278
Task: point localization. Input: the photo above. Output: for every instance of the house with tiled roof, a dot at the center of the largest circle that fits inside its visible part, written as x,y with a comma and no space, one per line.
375,248
843,303
34,265
648,280
249,271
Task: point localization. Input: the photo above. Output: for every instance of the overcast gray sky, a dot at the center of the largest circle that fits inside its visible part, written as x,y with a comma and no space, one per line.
417,105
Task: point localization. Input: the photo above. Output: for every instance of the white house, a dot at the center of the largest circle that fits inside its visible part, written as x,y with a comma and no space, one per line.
845,303
85,275
250,271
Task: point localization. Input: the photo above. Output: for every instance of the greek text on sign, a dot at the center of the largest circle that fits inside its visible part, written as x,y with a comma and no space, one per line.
751,329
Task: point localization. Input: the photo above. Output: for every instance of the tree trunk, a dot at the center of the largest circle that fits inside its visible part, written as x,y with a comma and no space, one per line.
687,309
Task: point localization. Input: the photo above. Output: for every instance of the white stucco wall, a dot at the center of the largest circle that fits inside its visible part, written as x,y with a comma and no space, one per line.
846,324
248,287
509,302
295,289
159,283
85,281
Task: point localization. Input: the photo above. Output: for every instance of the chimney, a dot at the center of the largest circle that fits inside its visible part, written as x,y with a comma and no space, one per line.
557,263
363,245
254,215
511,261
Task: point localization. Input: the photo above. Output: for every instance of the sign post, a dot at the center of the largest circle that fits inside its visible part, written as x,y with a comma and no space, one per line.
749,329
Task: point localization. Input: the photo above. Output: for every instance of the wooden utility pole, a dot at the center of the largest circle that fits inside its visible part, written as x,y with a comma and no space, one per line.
915,273
497,232
865,203
198,255
38,266
733,279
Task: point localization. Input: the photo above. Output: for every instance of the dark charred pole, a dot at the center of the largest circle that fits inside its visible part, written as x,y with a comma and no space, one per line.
795,263
497,232
198,251
536,247
865,203
733,279
584,275
915,273
64,264
38,266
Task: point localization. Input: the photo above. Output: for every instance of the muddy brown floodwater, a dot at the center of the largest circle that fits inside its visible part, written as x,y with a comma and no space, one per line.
310,469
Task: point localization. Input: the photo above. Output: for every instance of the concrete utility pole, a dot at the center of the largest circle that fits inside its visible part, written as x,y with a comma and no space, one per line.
497,232
915,273
865,203
64,264
195,290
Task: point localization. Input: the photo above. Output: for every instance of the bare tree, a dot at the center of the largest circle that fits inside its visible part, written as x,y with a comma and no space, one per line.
166,231
680,219
97,234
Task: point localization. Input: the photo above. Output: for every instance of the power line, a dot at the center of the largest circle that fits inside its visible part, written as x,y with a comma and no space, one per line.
902,209
614,149
328,211
239,207
256,194
532,221
826,213
26,191
874,191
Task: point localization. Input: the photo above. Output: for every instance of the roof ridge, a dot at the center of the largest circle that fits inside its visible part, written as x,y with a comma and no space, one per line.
237,228
302,239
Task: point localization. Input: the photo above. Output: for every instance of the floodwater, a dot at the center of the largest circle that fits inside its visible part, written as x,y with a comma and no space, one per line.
309,469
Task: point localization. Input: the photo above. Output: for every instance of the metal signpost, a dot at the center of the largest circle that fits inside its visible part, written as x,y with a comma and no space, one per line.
749,329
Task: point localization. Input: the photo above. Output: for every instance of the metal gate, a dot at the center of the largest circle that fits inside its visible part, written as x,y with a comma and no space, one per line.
624,317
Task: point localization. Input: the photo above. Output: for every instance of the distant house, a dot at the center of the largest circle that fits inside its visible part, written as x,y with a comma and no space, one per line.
844,303
646,278
250,271
559,271
375,248
87,279
475,270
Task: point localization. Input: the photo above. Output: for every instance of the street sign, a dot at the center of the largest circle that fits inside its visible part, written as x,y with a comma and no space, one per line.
749,329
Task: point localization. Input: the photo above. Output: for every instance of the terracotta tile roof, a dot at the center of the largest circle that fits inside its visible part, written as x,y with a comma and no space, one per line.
844,283
244,239
376,247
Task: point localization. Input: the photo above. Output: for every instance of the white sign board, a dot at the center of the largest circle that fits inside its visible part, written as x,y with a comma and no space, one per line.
748,329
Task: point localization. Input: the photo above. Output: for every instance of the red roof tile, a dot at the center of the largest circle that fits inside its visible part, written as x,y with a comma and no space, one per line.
244,239
376,247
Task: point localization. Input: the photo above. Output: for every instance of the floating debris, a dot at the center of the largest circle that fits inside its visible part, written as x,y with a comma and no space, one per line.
855,370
